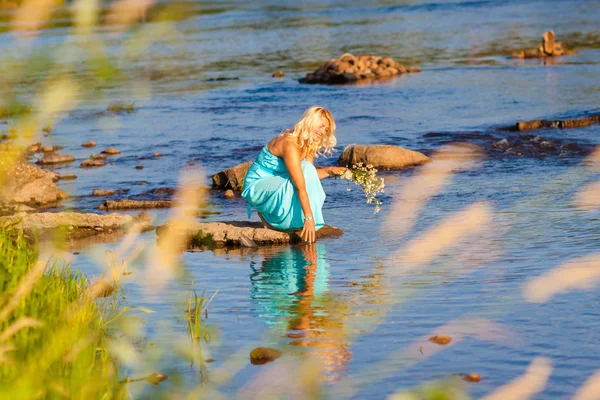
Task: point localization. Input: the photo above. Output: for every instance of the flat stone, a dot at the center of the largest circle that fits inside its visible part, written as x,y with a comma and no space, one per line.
219,234
89,143
381,156
67,177
103,192
55,158
126,204
111,151
52,221
99,156
92,163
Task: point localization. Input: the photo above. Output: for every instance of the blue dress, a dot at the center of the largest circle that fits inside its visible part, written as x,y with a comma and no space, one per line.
269,189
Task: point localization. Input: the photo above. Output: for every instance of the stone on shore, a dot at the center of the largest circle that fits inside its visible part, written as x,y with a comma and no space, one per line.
55,158
381,156
231,178
561,124
23,182
355,69
219,234
126,204
76,223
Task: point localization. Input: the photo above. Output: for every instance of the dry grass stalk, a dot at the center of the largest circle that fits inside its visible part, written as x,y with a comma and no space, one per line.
527,385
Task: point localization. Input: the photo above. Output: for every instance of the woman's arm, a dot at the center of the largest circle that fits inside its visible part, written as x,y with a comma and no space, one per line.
330,171
291,158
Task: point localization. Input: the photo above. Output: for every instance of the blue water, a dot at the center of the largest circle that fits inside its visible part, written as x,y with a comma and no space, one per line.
346,303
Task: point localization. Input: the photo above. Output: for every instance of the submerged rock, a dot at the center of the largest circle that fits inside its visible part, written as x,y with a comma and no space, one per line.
111,151
231,178
560,124
352,69
67,177
103,192
92,163
381,156
234,233
23,182
471,377
263,355
55,158
278,74
126,204
89,143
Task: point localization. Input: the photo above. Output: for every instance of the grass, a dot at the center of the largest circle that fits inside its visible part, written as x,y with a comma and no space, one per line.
121,107
13,110
53,335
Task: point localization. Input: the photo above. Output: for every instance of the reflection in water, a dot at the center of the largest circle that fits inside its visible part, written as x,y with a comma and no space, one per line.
292,290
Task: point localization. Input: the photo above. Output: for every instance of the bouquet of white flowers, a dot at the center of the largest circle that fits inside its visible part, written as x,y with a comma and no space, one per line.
366,178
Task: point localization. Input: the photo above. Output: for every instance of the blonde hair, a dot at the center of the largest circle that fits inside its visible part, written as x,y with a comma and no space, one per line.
304,128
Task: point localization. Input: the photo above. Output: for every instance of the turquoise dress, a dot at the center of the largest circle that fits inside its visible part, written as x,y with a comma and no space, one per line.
268,188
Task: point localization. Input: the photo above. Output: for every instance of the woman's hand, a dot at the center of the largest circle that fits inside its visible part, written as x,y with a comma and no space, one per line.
336,171
308,233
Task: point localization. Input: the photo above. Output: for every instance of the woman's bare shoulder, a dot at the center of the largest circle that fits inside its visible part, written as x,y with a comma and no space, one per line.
283,145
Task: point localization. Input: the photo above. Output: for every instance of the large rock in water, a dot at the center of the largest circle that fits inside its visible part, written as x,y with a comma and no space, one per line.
231,178
219,234
381,156
23,182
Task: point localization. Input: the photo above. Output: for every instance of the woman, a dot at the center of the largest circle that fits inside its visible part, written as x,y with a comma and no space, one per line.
283,185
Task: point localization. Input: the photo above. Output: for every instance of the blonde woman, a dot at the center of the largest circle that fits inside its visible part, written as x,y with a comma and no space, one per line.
283,185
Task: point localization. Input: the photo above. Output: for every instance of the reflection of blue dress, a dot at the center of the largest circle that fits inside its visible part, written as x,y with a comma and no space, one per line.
269,189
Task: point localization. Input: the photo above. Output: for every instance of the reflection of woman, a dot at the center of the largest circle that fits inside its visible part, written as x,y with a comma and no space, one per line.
292,286
284,185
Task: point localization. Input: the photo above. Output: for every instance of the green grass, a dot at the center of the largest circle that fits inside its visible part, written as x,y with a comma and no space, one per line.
53,336
12,110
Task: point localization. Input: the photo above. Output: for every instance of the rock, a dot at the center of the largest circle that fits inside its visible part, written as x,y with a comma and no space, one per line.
219,234
263,355
472,377
562,124
100,288
229,194
156,378
42,222
23,182
547,48
55,158
57,147
381,156
103,192
134,204
157,155
442,340
99,156
139,166
278,74
92,163
47,149
34,148
67,177
549,42
89,143
354,69
501,144
231,178
11,209
111,151
169,191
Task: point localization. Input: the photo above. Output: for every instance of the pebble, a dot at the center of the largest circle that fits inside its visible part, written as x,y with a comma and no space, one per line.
111,151
89,143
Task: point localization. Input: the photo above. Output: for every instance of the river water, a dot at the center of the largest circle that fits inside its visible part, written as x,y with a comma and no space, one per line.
347,304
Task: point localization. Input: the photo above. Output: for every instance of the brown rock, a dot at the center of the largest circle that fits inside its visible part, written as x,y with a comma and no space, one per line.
231,178
548,42
92,163
57,147
99,156
157,155
47,149
442,340
111,151
135,204
89,143
102,192
263,355
67,177
472,377
55,158
100,288
163,191
139,166
34,148
413,69
229,194
23,182
219,234
381,156
156,378
278,74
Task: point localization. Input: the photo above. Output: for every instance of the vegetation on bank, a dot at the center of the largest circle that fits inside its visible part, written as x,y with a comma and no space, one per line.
53,334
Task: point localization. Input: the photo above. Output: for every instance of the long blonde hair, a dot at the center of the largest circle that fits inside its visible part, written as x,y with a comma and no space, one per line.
303,132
